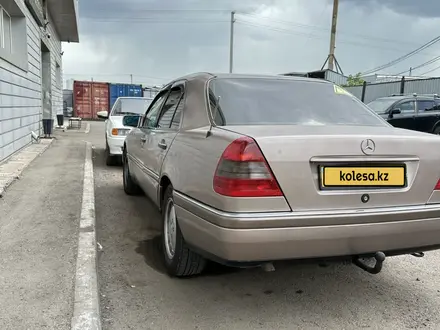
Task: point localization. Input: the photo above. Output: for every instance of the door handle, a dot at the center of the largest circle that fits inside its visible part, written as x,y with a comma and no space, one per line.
162,144
143,139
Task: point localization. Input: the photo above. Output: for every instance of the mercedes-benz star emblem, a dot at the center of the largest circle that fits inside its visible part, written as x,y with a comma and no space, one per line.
368,146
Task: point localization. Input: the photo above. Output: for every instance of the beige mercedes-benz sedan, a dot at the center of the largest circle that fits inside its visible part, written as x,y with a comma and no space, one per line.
248,170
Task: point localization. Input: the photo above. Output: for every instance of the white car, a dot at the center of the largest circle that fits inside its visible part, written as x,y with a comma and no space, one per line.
115,131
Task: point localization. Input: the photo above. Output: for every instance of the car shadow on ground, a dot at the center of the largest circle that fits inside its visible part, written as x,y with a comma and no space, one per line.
315,293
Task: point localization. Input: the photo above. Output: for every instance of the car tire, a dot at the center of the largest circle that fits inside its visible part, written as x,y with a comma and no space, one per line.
130,186
180,261
437,130
109,159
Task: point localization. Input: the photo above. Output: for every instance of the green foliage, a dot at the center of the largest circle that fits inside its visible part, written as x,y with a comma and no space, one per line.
355,80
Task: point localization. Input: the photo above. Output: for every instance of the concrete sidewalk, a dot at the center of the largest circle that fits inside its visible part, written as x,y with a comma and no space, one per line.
39,225
11,169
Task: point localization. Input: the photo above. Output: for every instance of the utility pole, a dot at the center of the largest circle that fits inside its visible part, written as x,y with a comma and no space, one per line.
231,43
131,79
410,71
331,56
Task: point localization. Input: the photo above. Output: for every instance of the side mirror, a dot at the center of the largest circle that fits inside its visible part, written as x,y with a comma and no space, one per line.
393,112
102,114
131,120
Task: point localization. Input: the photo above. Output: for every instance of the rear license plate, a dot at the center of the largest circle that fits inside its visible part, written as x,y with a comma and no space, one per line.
362,177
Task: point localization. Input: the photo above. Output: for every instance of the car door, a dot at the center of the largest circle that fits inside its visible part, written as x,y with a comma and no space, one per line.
139,140
163,134
406,117
427,115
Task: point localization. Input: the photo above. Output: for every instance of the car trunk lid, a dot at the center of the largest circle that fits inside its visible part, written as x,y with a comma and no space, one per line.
300,157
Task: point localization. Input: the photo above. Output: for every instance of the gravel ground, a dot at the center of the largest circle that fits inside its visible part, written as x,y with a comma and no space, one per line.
136,294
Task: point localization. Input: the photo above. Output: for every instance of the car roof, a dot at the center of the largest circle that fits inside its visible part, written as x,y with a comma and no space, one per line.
404,97
205,76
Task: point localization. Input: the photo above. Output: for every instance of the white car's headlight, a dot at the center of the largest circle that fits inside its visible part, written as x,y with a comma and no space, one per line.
120,131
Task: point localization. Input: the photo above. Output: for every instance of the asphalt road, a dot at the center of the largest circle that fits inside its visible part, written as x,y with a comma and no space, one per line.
136,294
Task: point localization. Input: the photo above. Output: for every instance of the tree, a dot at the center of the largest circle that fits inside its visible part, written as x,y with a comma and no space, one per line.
355,80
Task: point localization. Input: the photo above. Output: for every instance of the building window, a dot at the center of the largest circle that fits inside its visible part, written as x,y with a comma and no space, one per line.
13,34
58,76
5,30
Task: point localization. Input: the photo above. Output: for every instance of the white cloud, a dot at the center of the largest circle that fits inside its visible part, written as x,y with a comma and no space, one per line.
276,36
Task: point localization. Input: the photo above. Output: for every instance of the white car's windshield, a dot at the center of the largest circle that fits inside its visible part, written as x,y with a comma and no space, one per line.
132,106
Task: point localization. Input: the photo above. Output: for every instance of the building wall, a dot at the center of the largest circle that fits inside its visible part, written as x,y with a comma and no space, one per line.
21,91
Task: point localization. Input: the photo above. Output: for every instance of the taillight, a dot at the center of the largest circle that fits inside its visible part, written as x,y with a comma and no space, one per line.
437,186
242,171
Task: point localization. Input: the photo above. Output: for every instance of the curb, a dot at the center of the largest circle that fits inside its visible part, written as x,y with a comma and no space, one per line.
20,159
86,311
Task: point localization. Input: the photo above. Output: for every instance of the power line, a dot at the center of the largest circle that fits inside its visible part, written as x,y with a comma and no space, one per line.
188,20
433,60
314,27
404,57
326,29
436,68
165,11
113,75
155,20
312,36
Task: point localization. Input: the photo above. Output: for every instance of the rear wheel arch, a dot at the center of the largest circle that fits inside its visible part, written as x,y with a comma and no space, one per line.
165,182
436,128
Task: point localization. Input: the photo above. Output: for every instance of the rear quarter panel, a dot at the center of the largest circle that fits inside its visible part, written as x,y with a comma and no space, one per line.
190,165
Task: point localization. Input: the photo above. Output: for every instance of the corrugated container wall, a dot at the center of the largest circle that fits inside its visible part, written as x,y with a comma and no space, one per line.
120,90
335,77
89,98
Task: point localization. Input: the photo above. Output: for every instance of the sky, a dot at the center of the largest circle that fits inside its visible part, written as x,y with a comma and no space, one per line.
154,41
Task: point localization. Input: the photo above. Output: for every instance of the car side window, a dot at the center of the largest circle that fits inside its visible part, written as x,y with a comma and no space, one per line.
425,105
437,105
406,107
170,107
175,123
150,120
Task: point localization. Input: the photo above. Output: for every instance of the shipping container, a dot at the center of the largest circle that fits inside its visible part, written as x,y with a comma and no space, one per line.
121,90
89,98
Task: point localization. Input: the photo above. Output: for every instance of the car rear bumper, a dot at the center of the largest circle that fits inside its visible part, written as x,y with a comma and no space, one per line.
416,230
115,144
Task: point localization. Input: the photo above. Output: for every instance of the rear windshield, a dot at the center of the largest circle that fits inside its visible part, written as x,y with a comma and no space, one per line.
251,101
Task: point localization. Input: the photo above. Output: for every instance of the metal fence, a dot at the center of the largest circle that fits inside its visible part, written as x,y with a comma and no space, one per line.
370,92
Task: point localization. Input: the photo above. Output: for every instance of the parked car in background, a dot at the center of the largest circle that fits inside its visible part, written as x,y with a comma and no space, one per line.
115,131
247,170
415,112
